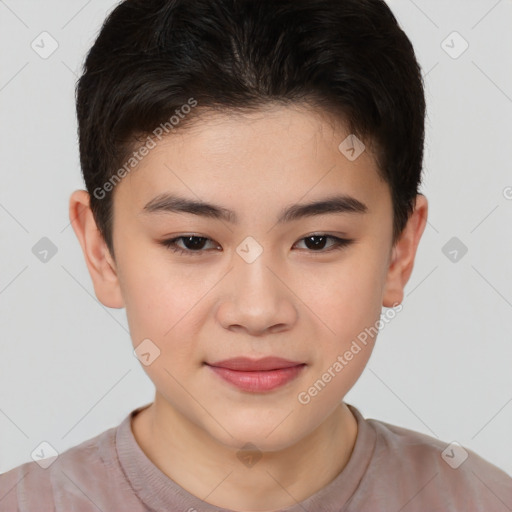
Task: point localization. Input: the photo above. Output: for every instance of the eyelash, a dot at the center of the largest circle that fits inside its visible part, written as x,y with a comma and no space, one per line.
339,243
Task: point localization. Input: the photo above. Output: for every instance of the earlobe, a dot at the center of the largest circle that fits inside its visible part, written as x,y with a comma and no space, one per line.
404,253
101,265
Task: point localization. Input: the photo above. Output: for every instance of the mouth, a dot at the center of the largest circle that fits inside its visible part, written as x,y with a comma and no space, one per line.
257,375
246,364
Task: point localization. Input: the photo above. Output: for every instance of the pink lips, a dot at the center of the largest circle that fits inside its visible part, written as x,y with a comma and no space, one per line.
257,375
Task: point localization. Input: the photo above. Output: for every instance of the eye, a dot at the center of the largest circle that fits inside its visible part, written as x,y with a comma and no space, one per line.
318,241
194,245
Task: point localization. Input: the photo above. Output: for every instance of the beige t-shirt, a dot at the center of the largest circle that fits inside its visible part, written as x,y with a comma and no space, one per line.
391,469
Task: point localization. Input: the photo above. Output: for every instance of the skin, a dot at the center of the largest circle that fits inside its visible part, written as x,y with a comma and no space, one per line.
293,301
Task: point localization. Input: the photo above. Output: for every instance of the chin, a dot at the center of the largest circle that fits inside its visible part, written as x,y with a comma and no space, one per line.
262,436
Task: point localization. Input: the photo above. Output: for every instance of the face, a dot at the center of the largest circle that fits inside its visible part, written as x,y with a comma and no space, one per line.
205,285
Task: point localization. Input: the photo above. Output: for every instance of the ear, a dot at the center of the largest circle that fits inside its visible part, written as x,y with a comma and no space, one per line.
101,265
403,254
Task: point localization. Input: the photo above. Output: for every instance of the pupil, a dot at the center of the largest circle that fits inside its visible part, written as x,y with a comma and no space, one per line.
319,245
198,244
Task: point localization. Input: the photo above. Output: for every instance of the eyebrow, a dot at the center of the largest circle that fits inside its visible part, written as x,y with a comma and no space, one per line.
169,203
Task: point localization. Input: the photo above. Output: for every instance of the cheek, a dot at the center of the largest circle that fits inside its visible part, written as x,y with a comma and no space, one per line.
348,303
157,298
345,298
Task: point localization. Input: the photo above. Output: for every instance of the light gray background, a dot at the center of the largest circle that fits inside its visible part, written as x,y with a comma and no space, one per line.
442,366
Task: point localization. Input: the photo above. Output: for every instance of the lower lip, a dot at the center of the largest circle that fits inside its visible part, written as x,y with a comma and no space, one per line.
258,381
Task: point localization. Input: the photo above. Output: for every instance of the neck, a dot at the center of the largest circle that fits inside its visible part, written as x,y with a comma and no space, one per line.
213,472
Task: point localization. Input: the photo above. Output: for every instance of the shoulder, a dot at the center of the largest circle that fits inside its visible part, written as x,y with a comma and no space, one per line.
20,485
64,483
428,471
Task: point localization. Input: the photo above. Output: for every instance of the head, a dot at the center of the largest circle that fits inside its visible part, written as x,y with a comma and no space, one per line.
244,112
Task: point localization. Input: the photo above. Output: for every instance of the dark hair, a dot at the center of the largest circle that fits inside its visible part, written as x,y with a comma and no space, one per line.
151,58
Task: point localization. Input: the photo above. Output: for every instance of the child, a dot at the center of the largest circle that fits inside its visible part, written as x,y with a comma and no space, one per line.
252,172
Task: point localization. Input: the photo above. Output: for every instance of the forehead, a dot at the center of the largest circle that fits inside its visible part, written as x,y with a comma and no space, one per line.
276,155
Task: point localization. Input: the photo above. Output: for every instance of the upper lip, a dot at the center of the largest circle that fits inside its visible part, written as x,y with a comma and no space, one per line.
248,364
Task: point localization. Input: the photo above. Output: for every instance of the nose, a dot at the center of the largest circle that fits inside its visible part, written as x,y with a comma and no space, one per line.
257,299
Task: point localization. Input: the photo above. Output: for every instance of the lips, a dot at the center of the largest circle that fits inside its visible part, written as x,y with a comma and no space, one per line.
257,375
245,364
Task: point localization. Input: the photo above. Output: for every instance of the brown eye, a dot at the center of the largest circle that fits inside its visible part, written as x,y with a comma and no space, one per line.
193,244
317,243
